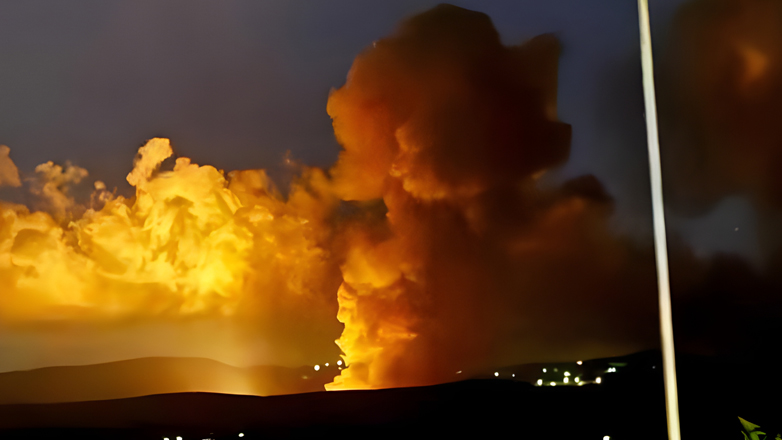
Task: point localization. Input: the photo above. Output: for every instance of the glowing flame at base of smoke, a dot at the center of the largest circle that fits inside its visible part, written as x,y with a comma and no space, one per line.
366,337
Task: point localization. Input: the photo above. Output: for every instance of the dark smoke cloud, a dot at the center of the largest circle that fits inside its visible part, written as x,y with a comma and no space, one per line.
448,109
721,102
720,90
474,264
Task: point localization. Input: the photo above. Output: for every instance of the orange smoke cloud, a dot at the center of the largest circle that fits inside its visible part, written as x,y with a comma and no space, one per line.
451,130
447,110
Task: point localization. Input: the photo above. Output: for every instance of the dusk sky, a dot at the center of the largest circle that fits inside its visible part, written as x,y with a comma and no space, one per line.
244,84
237,84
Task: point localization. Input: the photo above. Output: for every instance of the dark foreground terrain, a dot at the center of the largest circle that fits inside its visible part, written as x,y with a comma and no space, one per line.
628,404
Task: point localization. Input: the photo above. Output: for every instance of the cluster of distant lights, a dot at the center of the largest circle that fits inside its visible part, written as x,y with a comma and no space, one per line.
317,367
576,380
566,379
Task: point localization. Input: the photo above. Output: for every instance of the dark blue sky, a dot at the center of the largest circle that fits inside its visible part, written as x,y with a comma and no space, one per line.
238,83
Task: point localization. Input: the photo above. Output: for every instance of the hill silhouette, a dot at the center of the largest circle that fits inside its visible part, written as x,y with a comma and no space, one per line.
146,376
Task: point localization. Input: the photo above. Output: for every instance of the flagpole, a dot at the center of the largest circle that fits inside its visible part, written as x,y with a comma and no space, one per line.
660,246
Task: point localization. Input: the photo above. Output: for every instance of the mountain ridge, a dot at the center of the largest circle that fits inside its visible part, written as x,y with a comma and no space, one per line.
155,375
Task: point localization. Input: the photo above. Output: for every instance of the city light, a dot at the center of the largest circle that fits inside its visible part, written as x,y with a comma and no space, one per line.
540,382
577,380
579,362
339,363
567,373
241,434
544,370
598,380
317,367
496,374
553,384
566,380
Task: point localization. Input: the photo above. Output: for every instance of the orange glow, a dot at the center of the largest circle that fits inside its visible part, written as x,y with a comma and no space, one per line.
755,65
430,240
188,244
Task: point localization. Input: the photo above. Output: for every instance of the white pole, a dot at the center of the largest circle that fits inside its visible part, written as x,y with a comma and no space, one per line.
660,249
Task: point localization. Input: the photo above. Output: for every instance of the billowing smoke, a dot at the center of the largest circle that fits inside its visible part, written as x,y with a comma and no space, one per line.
467,253
720,94
432,239
721,102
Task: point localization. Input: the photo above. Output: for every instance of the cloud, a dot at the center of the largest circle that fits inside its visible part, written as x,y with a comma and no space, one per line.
9,174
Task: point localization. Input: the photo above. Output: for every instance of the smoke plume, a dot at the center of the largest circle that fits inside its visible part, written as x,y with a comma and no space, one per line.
720,106
432,239
452,131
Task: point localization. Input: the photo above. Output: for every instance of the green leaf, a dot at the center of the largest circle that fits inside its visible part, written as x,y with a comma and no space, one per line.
749,427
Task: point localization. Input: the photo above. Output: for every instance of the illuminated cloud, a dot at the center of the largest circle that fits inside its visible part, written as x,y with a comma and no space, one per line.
9,174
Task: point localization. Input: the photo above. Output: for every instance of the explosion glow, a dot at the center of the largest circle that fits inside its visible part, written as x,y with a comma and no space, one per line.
446,133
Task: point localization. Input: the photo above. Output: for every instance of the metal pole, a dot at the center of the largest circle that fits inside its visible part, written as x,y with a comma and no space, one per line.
660,247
